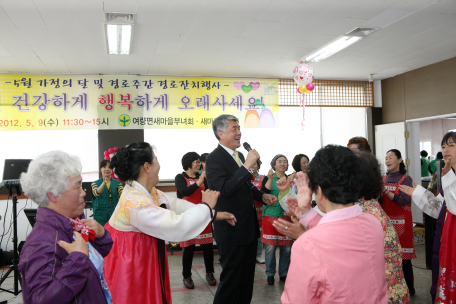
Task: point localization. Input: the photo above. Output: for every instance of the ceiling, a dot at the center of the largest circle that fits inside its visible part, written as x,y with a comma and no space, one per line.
251,38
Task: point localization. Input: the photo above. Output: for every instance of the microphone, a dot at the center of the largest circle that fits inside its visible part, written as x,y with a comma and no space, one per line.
248,148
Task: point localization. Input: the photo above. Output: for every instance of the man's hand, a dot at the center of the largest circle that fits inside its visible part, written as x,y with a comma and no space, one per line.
282,184
293,230
78,245
269,199
210,197
229,217
304,193
252,158
95,226
447,166
408,190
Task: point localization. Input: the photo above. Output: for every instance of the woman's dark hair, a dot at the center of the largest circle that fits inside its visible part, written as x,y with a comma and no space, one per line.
338,172
296,163
448,136
188,159
104,163
363,144
127,161
398,154
373,180
439,155
423,153
204,157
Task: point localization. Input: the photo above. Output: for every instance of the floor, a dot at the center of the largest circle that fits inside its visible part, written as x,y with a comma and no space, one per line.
262,292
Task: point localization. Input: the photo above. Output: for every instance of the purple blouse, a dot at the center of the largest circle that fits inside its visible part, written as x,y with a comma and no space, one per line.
394,177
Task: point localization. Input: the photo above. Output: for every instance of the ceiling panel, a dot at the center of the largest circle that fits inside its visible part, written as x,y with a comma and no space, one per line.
262,38
23,14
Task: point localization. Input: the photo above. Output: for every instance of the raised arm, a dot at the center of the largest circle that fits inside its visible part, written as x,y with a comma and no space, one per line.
403,198
183,222
183,189
220,179
267,182
424,199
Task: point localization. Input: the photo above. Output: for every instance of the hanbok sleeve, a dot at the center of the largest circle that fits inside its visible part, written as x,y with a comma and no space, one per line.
449,190
183,222
427,202
175,204
310,219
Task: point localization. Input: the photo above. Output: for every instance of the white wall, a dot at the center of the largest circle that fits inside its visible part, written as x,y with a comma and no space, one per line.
341,124
377,93
288,139
28,145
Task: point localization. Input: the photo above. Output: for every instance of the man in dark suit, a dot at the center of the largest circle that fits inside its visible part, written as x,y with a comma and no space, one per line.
228,172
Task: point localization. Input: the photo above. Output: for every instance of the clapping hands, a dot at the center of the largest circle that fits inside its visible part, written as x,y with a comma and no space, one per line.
304,193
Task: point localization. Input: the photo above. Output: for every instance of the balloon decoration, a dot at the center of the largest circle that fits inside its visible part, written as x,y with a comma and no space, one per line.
303,75
108,156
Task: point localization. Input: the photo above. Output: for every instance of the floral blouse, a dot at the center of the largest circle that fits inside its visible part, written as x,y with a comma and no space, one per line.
397,288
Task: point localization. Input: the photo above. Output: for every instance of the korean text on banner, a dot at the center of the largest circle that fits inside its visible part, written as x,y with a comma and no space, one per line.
70,102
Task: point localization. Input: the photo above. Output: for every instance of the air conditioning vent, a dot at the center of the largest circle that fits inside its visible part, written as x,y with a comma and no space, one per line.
361,32
120,18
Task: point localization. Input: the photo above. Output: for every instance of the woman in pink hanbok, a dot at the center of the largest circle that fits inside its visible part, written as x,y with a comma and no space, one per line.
340,260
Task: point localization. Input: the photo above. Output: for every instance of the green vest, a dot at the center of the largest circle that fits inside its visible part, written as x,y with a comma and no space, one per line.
274,210
424,167
103,205
433,166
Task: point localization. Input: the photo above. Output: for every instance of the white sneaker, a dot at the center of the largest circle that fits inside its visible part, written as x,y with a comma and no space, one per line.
259,260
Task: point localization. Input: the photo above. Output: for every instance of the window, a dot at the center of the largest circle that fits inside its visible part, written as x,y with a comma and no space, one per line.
328,93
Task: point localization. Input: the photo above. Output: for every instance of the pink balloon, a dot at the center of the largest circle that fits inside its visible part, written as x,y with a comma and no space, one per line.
297,89
310,86
303,74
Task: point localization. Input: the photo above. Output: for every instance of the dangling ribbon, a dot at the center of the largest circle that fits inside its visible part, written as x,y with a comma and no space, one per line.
303,111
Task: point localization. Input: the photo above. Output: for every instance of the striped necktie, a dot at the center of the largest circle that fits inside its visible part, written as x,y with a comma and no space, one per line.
236,155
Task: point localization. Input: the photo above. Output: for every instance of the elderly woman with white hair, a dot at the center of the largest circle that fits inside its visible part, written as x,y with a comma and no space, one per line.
62,259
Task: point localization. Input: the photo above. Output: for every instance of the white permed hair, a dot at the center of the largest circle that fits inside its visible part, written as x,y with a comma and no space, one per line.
49,172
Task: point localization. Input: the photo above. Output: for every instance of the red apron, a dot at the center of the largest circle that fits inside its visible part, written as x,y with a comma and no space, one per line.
259,205
401,218
196,197
446,285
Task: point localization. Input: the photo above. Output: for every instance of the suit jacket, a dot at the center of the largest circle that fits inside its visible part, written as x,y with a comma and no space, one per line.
237,196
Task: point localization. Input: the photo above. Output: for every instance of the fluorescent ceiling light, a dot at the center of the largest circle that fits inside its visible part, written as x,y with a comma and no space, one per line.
332,48
119,39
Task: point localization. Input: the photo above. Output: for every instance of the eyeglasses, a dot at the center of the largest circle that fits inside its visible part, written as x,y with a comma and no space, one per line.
197,162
